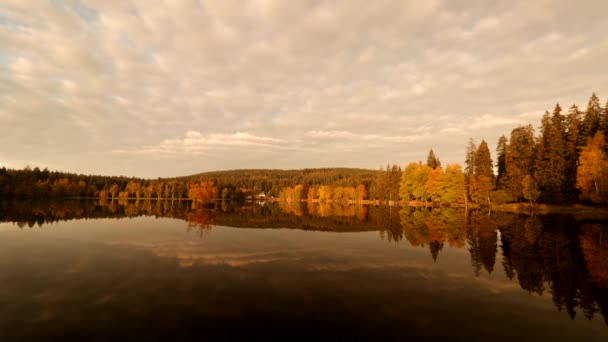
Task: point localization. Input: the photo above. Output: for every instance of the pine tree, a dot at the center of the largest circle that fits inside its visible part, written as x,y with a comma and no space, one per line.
550,162
483,173
432,161
591,120
572,144
604,124
469,168
501,160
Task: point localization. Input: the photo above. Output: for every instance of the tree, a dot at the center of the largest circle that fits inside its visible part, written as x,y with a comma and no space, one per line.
530,189
113,191
451,185
519,159
432,161
550,162
572,144
469,167
202,191
408,182
592,172
591,121
501,160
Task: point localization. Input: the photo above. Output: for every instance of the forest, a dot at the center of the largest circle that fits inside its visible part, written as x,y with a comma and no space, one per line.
565,163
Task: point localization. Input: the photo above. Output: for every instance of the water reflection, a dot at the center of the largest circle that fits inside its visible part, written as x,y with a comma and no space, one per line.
546,255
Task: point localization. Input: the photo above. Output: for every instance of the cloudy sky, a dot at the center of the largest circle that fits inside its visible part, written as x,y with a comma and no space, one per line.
175,87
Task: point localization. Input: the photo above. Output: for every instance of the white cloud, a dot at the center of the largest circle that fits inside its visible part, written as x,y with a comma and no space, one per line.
195,142
346,135
489,121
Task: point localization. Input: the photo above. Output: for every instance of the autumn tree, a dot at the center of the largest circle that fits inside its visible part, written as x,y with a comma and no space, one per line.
592,172
202,191
530,190
451,185
114,191
519,158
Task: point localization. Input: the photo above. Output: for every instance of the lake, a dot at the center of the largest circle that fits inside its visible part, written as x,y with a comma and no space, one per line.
161,270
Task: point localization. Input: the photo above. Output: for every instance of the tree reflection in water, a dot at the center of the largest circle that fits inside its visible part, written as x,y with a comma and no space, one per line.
551,253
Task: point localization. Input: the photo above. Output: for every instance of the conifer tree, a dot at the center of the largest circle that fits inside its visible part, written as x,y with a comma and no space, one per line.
550,162
469,168
432,161
501,160
483,173
572,144
591,120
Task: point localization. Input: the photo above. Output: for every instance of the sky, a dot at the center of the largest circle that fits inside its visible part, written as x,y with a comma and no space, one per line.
176,87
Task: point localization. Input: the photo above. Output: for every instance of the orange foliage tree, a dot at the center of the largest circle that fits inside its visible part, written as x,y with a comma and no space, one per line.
592,172
202,191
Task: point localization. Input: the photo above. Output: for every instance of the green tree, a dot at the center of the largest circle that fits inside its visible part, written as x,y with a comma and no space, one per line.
519,159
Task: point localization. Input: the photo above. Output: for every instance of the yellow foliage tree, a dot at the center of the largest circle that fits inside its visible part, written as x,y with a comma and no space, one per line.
202,191
592,171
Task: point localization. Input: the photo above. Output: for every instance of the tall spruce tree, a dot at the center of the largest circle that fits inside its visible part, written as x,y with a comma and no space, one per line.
469,168
484,173
501,161
591,121
550,162
572,148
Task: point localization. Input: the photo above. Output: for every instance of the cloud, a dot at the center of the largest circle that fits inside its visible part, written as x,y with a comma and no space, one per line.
195,142
346,135
489,121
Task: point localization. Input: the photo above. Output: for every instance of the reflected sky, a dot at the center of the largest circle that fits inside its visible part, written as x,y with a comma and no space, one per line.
148,277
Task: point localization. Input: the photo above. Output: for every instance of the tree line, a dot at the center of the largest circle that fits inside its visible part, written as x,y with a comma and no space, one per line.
564,164
36,183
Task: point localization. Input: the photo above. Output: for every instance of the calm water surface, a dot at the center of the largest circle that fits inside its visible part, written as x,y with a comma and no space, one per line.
156,270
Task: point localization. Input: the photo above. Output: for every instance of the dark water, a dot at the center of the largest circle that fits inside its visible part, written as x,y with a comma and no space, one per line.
164,271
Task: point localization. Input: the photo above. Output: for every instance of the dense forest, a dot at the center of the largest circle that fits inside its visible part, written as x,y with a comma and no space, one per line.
564,164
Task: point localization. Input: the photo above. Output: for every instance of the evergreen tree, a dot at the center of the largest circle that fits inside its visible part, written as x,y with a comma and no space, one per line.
550,162
604,124
501,160
483,161
483,173
591,121
432,161
572,147
519,159
469,168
